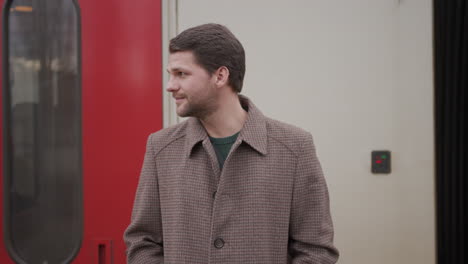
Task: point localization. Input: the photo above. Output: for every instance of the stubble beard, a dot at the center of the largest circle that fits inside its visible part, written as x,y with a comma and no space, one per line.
200,109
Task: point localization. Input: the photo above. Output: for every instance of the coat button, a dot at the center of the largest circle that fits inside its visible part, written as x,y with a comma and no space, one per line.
214,194
219,243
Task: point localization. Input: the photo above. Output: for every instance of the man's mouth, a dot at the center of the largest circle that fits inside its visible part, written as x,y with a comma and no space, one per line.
178,99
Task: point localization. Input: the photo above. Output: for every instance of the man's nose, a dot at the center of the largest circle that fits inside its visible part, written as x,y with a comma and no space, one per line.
171,85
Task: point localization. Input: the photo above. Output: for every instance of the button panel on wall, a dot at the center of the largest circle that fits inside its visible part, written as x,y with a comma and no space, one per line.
381,161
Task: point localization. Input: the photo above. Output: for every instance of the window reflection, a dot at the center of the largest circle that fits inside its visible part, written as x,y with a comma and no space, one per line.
44,157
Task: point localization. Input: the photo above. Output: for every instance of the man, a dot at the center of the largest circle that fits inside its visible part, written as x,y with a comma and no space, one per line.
228,185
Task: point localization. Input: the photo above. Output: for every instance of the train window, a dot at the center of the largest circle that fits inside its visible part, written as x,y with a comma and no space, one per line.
42,130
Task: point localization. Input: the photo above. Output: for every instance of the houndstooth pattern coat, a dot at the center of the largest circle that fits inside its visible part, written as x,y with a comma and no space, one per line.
269,204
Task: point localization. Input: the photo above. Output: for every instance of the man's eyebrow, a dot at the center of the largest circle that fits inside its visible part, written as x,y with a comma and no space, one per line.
174,69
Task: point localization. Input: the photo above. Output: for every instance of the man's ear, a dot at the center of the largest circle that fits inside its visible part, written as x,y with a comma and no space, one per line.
222,76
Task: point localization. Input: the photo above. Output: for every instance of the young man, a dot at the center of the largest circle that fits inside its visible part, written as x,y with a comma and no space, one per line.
228,185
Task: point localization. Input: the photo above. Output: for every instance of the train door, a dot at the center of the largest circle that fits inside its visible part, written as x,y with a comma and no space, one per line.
81,91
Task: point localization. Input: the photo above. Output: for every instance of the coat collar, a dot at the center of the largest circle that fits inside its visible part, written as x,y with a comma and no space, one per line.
254,131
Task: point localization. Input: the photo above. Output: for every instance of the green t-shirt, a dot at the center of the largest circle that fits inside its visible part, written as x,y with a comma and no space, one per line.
222,146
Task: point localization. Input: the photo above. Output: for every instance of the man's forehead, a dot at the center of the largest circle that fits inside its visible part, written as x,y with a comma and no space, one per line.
182,56
181,59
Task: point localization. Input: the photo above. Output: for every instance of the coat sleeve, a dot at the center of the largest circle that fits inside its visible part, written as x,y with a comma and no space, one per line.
143,237
311,227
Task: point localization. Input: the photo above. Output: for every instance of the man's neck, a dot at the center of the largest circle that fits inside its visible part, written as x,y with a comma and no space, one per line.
227,120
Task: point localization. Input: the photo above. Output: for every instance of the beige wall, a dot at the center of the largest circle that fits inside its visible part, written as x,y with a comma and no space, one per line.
358,75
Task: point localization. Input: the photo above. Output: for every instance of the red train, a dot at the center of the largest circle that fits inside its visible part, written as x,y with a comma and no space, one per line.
81,91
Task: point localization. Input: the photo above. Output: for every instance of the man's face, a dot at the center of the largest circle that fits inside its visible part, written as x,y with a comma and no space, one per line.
192,87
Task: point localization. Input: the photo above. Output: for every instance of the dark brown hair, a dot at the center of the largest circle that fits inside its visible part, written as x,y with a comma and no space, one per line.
213,46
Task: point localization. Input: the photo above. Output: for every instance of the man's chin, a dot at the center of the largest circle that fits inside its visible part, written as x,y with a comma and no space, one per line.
189,112
182,113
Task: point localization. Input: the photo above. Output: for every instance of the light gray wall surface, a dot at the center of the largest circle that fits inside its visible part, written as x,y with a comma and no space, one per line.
357,75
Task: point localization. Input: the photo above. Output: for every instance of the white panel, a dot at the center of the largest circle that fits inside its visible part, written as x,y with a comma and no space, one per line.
169,30
358,75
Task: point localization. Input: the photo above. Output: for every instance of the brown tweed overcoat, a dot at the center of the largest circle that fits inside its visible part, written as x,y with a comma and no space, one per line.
269,204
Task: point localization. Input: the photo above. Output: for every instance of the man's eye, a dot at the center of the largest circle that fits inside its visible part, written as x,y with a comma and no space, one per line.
181,74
